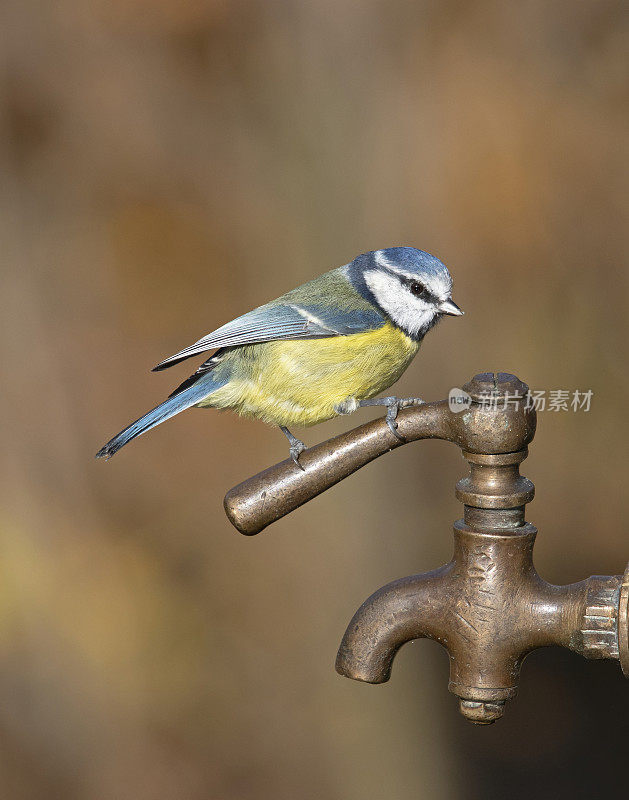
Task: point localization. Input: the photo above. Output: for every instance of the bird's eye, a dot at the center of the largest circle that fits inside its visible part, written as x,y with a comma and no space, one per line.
417,288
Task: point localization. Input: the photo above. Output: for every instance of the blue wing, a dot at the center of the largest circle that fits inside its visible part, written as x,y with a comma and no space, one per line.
281,321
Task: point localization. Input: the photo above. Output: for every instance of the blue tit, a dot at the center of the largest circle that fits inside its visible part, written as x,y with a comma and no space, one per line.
323,349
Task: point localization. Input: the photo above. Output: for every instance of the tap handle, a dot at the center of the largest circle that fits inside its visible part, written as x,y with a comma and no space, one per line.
479,427
280,489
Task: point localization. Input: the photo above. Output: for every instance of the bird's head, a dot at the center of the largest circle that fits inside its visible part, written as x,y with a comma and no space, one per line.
413,288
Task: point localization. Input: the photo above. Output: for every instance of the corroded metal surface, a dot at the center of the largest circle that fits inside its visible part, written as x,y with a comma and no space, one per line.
488,606
623,623
278,490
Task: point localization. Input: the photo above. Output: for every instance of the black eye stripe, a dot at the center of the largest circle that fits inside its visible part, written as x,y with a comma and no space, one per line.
424,294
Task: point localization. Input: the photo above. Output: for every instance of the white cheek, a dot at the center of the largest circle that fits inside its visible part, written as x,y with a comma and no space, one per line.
407,311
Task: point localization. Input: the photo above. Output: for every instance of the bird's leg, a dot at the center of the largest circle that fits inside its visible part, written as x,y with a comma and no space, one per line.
296,446
348,406
393,404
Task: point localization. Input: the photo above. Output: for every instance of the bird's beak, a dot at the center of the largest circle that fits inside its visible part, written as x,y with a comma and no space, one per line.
450,307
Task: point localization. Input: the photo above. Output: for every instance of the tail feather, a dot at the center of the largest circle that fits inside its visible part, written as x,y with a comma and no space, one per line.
193,394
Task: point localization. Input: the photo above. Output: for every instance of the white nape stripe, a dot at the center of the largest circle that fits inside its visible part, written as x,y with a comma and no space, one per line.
383,261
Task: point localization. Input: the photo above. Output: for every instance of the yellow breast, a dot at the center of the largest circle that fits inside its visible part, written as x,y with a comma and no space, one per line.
300,381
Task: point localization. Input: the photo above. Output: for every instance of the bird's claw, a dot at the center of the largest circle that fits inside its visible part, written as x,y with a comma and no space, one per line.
295,451
297,447
393,405
407,402
392,424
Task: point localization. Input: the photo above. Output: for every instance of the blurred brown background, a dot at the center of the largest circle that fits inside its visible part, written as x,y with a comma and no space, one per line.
168,165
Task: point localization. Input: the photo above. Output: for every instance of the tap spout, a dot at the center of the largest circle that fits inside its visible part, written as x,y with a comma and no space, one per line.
406,609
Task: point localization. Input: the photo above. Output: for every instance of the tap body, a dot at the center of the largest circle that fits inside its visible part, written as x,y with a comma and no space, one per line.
488,606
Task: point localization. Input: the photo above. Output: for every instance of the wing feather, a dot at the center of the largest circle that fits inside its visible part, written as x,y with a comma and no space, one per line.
277,321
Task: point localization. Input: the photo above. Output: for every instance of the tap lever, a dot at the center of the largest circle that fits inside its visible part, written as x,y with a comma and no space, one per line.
280,489
481,427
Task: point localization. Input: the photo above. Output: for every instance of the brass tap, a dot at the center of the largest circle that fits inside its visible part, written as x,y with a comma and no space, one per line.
488,606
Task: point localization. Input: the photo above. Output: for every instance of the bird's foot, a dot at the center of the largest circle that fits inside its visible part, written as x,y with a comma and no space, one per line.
297,447
393,405
295,451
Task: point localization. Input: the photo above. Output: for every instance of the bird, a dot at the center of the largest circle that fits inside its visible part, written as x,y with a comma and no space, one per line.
321,350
